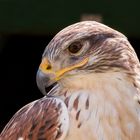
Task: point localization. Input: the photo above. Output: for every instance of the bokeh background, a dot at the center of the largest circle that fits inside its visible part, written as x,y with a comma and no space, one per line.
26,27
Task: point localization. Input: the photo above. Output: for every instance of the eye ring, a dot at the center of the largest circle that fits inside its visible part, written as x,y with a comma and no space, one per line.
75,47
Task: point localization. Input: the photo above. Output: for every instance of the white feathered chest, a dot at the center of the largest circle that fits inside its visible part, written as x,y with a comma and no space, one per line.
108,111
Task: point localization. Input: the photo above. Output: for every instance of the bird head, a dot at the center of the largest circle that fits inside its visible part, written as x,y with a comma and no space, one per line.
82,51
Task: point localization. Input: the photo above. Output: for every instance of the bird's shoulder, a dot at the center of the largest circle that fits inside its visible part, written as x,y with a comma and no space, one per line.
41,119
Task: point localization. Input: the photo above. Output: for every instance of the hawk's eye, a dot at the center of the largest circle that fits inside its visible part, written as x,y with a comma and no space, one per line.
75,47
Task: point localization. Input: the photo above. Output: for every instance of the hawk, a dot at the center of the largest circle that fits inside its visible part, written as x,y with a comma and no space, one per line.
95,77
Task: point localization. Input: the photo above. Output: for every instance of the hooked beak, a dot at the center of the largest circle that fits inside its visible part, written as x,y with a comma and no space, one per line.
46,76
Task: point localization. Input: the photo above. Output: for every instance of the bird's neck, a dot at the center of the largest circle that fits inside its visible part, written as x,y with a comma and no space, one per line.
104,99
111,88
100,82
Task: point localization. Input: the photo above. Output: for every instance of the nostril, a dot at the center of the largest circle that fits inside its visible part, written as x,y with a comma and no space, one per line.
49,67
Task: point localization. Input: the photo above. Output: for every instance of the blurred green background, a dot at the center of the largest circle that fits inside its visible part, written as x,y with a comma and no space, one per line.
49,16
27,26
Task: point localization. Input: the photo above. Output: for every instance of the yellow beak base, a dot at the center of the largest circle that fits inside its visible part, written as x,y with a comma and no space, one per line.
46,68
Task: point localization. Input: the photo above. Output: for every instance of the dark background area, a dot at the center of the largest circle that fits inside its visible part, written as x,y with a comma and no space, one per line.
26,27
19,61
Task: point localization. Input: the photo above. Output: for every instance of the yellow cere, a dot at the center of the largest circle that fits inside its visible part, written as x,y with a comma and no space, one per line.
44,64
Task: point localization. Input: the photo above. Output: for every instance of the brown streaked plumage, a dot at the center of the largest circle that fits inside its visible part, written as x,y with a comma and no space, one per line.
77,115
97,94
75,104
87,103
40,120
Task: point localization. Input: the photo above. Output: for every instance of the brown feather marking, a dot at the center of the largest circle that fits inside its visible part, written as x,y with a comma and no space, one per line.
87,103
67,101
75,104
79,125
59,133
77,115
134,84
65,94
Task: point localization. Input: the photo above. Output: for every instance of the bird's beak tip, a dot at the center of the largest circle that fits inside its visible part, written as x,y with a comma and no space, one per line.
44,81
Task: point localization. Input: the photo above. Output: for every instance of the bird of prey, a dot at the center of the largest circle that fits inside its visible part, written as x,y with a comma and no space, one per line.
95,75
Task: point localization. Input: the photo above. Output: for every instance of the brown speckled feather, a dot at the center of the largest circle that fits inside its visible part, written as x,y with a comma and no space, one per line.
40,120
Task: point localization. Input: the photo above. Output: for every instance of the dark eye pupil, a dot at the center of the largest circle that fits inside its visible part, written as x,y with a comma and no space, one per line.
75,48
